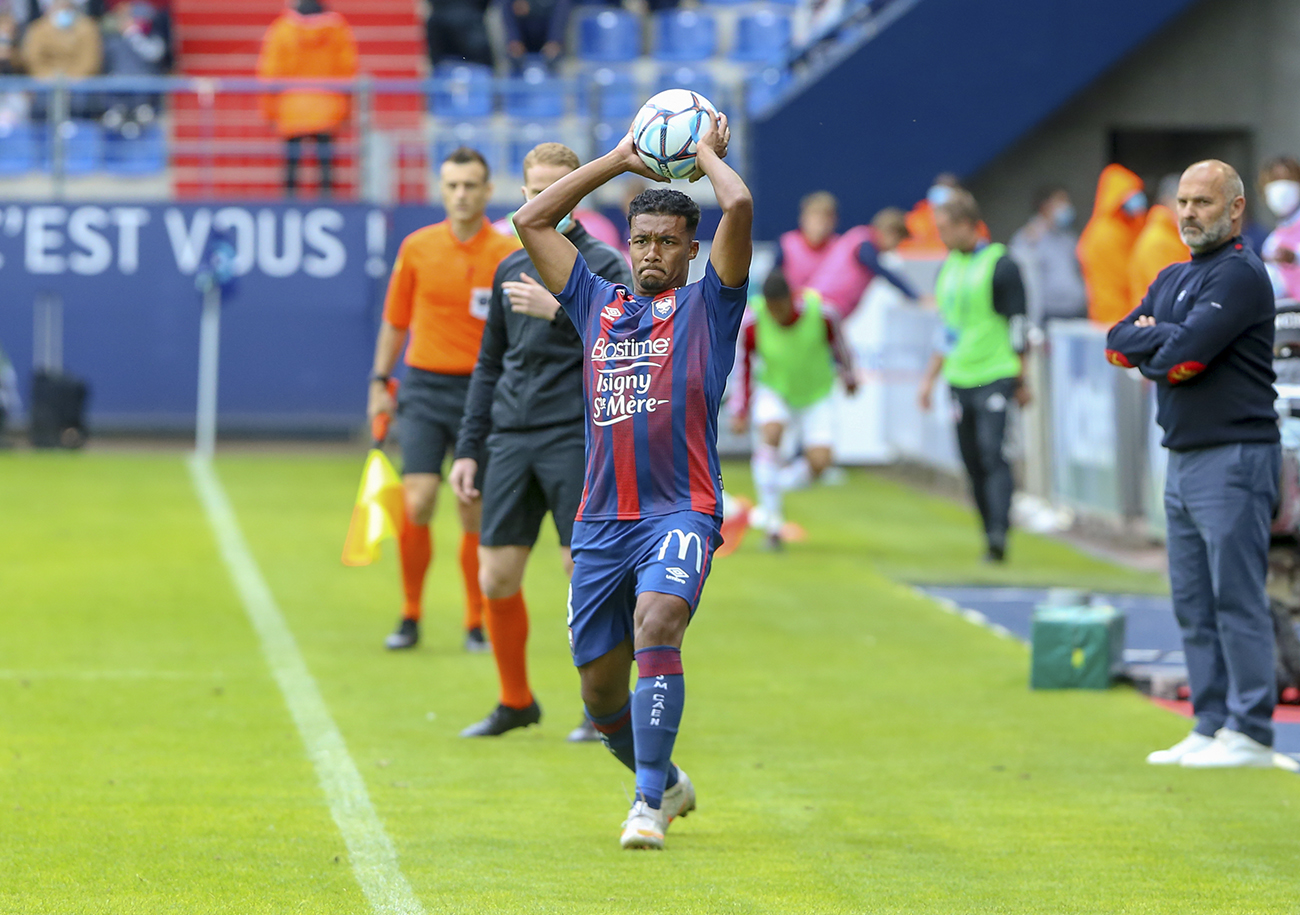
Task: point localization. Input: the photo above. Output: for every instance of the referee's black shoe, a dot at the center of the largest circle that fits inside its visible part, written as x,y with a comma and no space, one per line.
405,635
504,718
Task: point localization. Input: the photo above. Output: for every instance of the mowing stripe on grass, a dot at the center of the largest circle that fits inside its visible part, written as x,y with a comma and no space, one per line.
374,859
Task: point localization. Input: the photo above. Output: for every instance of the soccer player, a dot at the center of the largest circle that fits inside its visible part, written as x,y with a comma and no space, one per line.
799,346
438,298
655,362
853,261
523,419
803,249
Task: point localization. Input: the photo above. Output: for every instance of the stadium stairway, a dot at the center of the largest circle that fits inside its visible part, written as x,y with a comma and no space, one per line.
224,149
933,85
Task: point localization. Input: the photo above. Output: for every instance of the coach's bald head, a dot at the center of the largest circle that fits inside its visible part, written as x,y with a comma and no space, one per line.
1211,205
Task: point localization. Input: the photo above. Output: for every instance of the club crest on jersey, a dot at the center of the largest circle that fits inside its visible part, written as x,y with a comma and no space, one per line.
664,307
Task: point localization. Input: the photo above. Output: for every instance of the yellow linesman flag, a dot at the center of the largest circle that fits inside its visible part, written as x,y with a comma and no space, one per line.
378,512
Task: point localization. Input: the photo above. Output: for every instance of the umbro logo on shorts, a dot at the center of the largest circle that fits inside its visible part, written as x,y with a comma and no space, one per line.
678,576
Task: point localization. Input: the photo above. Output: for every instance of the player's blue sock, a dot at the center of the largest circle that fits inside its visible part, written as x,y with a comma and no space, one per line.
616,733
656,714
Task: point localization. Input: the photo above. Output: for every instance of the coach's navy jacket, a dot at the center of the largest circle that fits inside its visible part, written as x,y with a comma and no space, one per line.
529,371
1211,350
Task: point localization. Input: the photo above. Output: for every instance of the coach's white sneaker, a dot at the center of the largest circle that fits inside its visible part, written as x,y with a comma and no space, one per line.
1230,750
1174,755
679,800
644,827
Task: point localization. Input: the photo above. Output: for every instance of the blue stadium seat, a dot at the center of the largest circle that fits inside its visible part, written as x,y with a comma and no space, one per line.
610,93
468,94
605,136
83,147
611,35
685,35
696,78
142,155
763,87
20,149
475,135
762,37
524,137
535,94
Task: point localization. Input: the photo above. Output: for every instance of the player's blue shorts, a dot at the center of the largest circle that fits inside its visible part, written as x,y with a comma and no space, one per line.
614,561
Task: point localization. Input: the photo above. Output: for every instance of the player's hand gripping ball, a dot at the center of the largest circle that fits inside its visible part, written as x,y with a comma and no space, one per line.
667,129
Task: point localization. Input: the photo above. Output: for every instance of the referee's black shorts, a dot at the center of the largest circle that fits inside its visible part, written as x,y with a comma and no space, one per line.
429,408
529,473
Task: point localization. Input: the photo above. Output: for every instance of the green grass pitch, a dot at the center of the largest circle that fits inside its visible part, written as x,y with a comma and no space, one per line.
855,748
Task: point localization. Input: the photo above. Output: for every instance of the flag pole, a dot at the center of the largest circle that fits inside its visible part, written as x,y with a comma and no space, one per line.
205,421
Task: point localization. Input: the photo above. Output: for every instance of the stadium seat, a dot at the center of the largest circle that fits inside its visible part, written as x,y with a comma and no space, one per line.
763,87
83,147
466,91
685,35
19,149
609,93
524,137
535,94
696,78
762,37
611,35
475,135
142,155
605,136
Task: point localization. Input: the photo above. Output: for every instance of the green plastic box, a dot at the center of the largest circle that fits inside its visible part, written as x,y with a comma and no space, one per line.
1076,647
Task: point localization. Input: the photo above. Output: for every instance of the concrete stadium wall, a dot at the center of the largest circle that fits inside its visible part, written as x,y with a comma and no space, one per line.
1218,67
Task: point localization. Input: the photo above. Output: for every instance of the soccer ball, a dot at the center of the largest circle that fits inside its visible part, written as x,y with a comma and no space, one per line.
667,128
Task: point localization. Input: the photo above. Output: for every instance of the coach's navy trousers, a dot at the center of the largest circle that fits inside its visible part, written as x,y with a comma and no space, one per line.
1219,504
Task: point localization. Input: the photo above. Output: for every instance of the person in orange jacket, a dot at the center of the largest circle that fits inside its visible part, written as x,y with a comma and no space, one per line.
307,41
1158,245
1118,214
922,236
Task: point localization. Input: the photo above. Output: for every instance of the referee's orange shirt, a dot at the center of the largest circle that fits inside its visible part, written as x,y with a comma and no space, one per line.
440,290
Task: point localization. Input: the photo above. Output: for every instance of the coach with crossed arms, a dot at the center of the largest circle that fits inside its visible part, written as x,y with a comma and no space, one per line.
1204,335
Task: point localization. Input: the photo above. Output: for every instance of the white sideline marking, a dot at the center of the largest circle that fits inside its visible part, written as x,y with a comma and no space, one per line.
373,857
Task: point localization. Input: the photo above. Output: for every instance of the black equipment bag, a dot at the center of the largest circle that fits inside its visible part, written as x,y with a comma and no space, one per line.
58,410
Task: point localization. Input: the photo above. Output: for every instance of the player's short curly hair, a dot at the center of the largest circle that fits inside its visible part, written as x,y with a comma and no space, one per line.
662,201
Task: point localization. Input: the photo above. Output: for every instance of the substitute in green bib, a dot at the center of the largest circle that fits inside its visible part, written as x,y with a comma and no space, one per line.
981,299
793,349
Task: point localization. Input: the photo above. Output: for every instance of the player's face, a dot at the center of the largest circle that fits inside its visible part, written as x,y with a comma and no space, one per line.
956,234
817,222
465,190
662,250
540,177
781,309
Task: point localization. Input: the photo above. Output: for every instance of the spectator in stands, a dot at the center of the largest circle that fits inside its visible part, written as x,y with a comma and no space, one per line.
981,299
1279,184
1118,214
64,42
308,42
814,21
803,249
13,105
1158,244
1044,250
535,27
922,237
456,32
137,42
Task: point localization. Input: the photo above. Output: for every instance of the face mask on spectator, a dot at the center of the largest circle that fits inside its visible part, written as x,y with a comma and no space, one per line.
64,18
1063,216
1136,205
938,194
1282,196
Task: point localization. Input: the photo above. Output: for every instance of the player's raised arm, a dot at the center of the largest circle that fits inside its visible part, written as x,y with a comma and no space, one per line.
733,243
552,254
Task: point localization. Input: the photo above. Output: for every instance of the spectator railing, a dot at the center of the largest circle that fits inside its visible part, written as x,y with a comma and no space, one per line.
206,137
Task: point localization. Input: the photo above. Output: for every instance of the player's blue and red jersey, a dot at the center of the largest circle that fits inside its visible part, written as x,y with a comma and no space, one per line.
654,370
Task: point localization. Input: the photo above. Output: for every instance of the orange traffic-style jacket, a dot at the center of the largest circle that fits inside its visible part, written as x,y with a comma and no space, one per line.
1107,243
1157,246
313,46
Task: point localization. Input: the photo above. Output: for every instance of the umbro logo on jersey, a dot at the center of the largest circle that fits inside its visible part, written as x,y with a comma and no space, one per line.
663,308
612,313
677,576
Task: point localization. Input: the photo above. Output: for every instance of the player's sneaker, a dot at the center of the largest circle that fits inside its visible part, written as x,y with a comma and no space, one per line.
679,800
584,733
1174,755
644,827
476,642
504,718
405,636
1229,750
